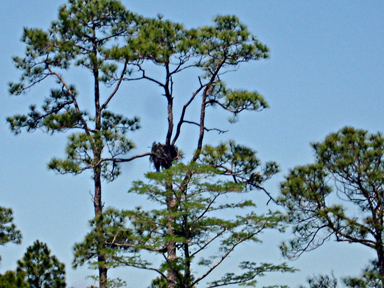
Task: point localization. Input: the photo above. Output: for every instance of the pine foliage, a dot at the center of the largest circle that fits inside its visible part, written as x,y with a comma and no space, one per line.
40,269
201,196
8,231
348,164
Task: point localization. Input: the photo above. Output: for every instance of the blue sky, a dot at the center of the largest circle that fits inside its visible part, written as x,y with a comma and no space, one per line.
325,72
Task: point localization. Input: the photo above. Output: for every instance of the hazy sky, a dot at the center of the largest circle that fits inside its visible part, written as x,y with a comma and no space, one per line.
325,72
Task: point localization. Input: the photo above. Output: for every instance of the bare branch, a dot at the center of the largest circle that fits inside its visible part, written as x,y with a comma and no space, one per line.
119,160
116,88
218,262
205,128
178,129
142,267
209,242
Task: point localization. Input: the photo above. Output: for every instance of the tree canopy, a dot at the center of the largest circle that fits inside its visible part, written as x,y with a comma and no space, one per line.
82,36
340,195
370,278
116,47
8,231
41,269
11,279
200,199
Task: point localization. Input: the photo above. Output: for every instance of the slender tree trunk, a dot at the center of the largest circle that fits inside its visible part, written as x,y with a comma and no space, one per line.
170,118
380,259
377,216
171,245
171,258
187,274
171,202
98,210
201,124
98,205
97,198
97,150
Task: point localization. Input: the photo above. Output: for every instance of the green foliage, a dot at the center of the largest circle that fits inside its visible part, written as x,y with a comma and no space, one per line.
222,47
252,271
215,50
83,35
353,160
79,146
231,40
322,281
159,282
111,283
40,269
370,278
11,279
159,41
106,228
200,197
8,232
348,163
115,46
84,30
240,162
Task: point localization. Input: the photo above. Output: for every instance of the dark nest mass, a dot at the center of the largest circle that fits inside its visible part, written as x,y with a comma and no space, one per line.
163,155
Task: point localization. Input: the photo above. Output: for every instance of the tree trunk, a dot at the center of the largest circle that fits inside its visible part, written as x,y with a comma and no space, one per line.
102,272
98,205
187,274
380,259
171,245
97,150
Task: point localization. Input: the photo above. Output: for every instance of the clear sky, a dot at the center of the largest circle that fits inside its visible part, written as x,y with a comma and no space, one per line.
325,72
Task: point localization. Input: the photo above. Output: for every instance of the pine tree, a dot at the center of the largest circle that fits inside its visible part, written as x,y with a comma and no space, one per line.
11,279
370,278
82,36
115,46
40,269
8,231
214,50
348,163
202,197
322,281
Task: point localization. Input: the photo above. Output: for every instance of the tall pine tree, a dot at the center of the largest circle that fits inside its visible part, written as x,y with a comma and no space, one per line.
214,51
82,36
114,46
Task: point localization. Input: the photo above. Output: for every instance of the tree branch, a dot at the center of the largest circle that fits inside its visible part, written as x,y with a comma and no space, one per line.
205,128
116,88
